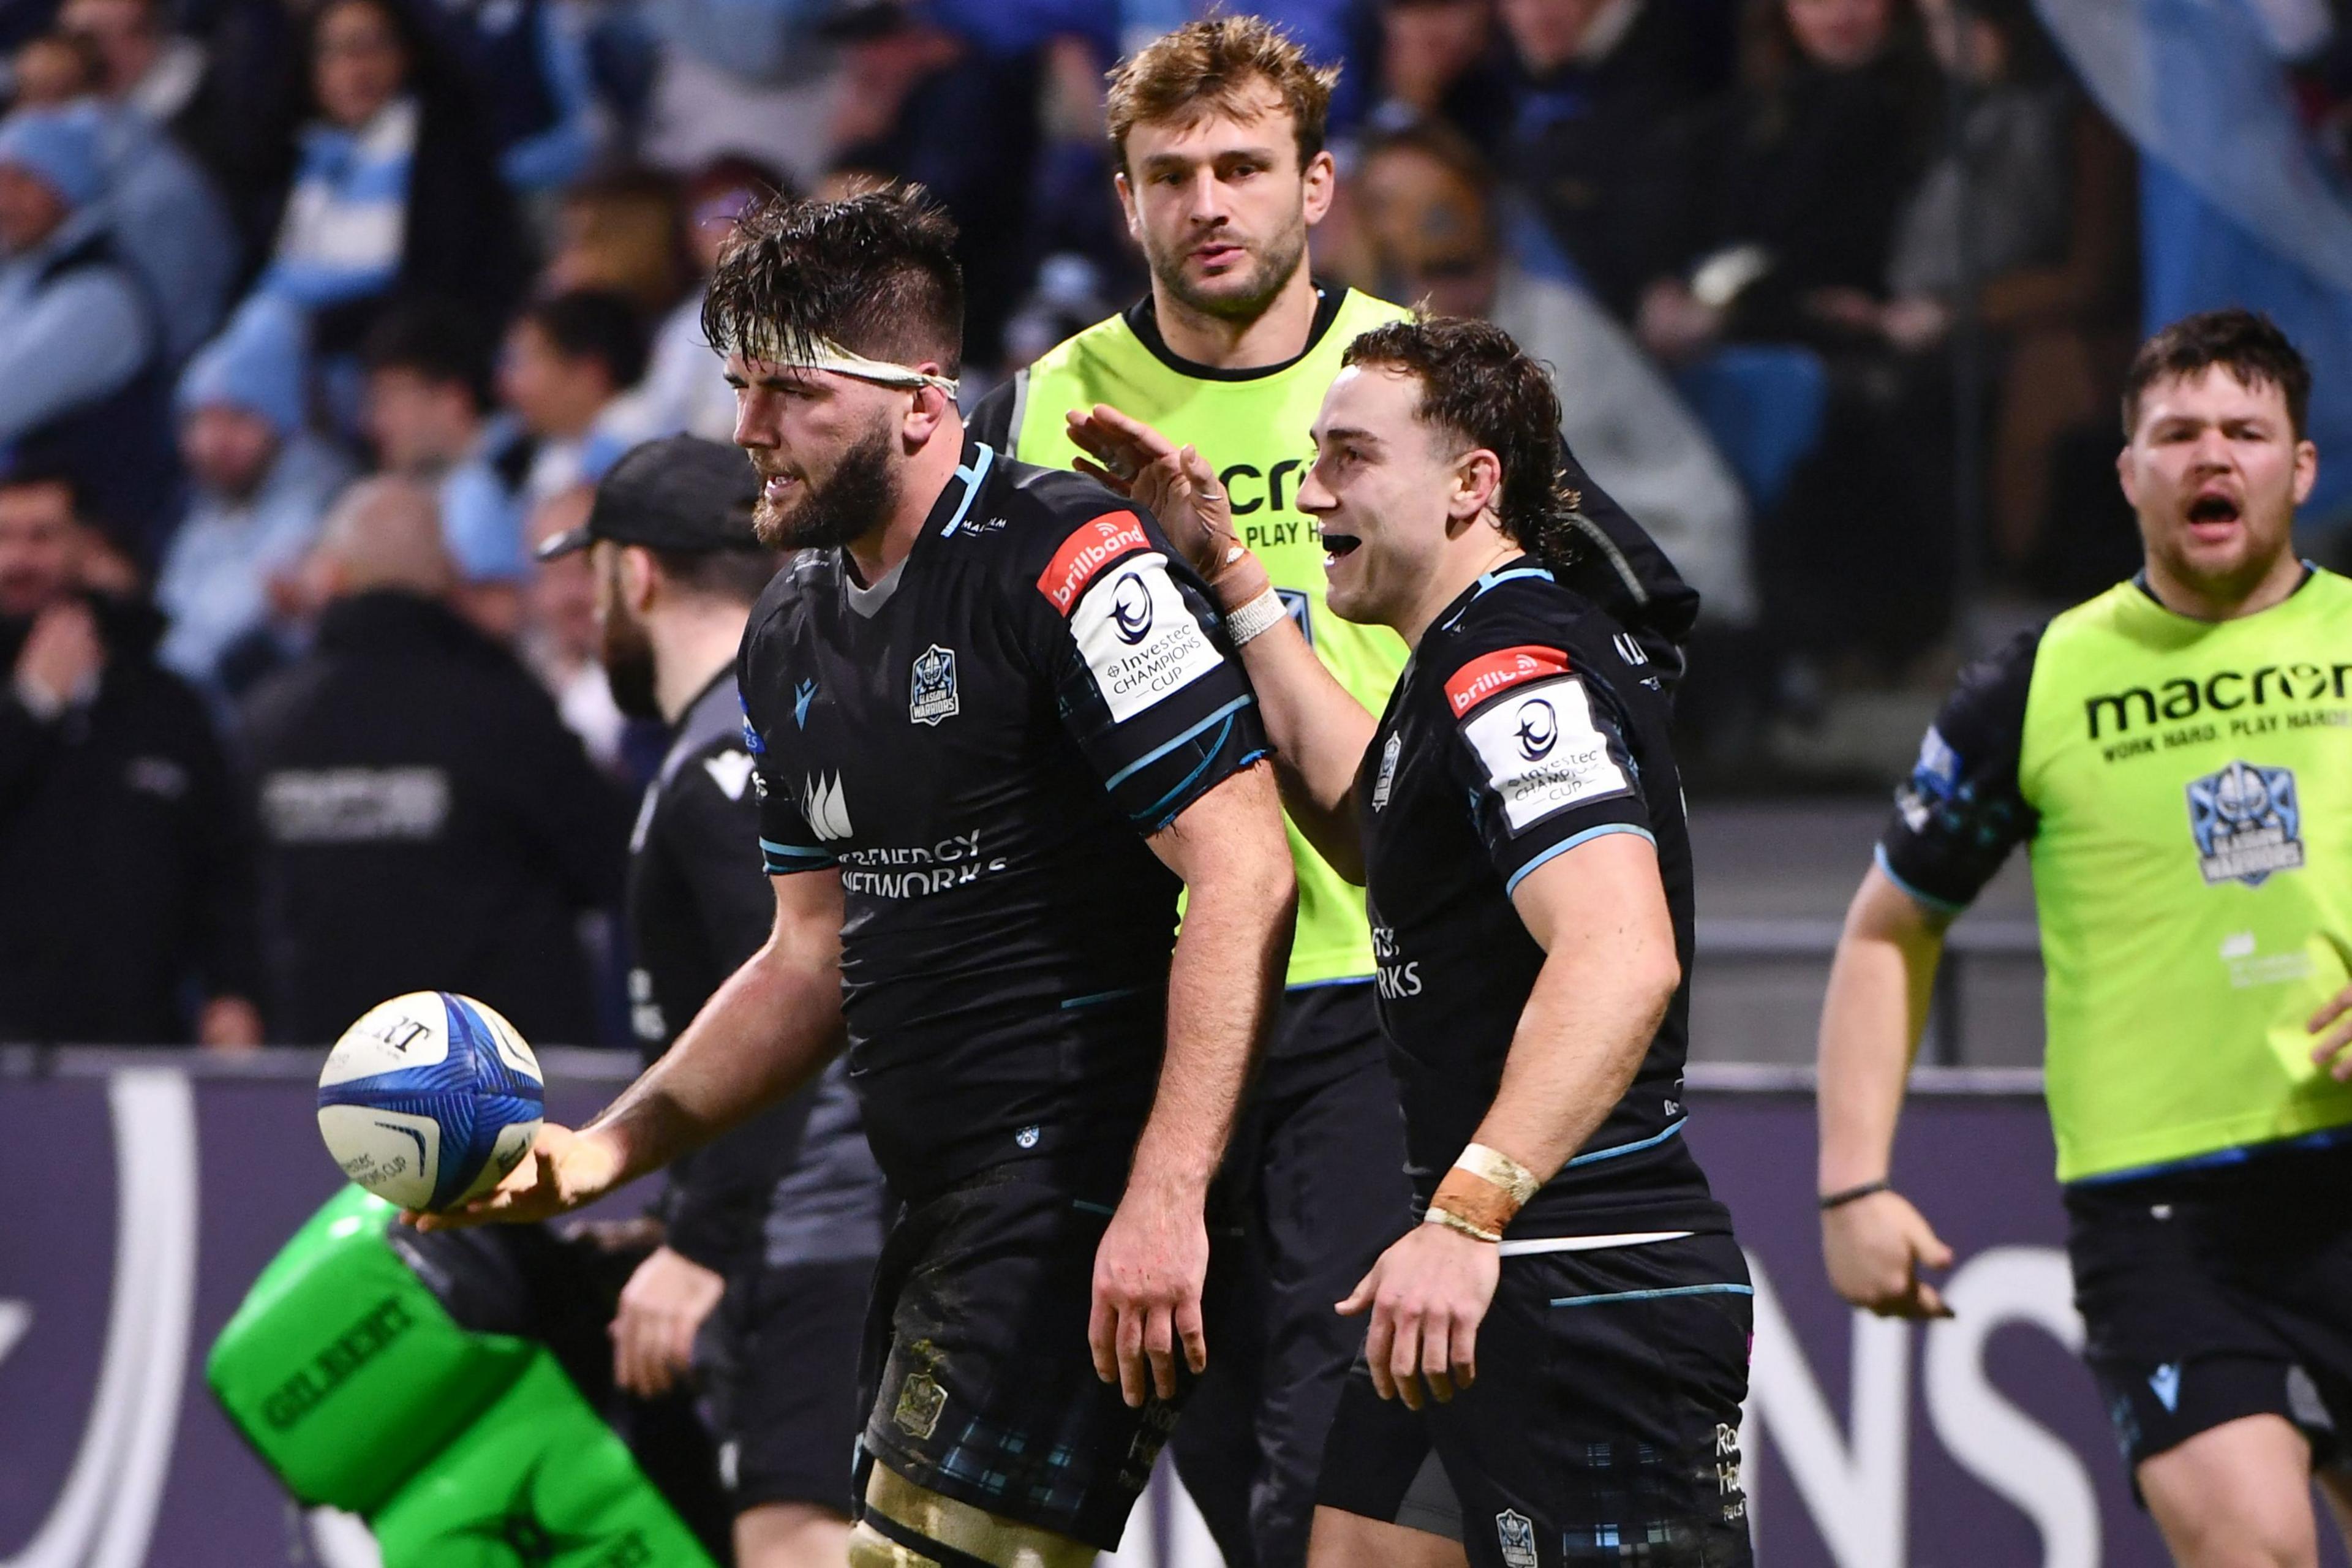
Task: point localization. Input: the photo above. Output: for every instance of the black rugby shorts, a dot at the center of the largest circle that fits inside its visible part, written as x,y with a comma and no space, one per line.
2215,1294
1603,1426
983,1388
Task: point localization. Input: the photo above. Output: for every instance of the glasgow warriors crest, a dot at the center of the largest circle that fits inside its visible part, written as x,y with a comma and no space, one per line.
2246,823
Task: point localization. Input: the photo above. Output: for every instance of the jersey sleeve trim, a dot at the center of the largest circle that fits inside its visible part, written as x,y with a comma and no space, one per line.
1925,900
782,859
1154,755
1570,842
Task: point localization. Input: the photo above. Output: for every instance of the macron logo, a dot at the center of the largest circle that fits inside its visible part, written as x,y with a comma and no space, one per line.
1088,552
1482,678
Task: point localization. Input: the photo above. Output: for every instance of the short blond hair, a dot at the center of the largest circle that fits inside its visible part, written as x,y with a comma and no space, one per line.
1207,68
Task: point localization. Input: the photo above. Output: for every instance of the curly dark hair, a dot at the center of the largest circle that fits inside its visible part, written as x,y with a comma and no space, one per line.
875,273
2249,346
1477,385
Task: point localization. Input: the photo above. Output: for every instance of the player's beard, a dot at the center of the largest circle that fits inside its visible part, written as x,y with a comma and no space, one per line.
856,499
1276,264
628,658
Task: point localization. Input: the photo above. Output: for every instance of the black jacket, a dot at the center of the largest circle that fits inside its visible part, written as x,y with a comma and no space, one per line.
699,904
429,824
126,880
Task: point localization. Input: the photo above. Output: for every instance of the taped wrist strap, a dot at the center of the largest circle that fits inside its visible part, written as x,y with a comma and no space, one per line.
1256,617
1455,1222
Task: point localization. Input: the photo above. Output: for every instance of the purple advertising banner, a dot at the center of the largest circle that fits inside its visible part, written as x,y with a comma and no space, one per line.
144,1198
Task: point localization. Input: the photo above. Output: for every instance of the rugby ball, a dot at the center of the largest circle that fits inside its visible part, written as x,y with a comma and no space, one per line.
429,1100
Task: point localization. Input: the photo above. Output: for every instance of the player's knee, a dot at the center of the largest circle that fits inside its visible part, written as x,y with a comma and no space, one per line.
789,1535
2235,1496
910,1526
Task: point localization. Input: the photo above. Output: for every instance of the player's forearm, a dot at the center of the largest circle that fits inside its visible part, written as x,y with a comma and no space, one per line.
764,1034
1319,732
1580,1038
1223,980
1880,983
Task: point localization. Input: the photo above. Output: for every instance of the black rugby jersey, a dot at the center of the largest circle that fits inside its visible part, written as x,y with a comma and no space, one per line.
698,908
1526,723
981,743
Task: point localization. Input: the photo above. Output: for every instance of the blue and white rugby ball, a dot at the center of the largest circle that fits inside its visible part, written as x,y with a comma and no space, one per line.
429,1100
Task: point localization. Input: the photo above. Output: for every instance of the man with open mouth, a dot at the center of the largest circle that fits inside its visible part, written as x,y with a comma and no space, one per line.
1554,1357
2175,754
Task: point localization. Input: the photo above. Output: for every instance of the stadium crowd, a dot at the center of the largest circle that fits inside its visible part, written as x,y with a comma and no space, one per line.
316,315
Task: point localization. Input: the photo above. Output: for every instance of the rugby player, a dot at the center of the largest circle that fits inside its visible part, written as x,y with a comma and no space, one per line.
1566,1332
2175,754
775,1226
1217,133
996,727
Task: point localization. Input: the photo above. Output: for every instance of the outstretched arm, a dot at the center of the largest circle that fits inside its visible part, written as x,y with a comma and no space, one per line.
770,1028
1241,896
1879,983
1320,732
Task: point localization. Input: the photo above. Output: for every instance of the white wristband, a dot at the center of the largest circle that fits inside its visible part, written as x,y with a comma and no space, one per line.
1256,617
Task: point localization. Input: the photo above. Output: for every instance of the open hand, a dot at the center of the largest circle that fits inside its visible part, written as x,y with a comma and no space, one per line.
1149,1273
1175,484
564,1170
1427,1293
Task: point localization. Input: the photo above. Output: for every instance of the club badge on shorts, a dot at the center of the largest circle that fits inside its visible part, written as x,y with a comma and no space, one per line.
1517,1534
921,1400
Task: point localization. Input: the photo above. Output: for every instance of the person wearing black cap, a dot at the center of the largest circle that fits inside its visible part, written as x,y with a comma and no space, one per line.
783,1216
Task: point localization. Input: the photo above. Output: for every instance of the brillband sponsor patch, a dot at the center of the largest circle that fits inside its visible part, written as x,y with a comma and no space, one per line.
1542,752
1481,677
1138,637
1085,552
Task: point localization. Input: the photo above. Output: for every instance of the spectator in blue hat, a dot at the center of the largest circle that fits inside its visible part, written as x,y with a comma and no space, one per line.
262,481
80,387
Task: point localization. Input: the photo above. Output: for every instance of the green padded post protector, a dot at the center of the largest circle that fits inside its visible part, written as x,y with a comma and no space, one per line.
539,1480
344,1370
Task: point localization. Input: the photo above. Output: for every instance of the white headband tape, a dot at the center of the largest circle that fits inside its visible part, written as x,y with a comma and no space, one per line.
831,356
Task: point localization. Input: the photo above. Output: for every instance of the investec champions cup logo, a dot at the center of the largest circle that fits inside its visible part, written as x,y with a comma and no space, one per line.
2246,823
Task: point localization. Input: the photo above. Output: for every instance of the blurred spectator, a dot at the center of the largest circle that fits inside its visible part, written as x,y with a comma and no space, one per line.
261,481
748,77
428,821
395,193
1798,183
1598,86
130,885
560,639
168,221
686,388
229,101
81,372
528,63
51,70
568,360
428,414
1438,61
624,232
2047,245
924,104
172,227
1429,199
